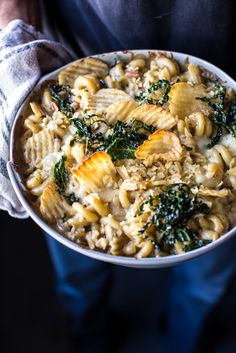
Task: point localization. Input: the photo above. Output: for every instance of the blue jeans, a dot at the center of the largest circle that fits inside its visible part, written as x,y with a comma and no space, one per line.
193,289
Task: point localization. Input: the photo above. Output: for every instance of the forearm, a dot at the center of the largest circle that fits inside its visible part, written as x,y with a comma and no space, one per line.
25,10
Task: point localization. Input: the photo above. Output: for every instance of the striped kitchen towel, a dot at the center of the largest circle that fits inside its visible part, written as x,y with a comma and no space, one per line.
25,55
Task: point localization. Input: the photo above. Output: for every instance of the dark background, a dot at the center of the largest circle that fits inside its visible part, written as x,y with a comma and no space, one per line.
32,320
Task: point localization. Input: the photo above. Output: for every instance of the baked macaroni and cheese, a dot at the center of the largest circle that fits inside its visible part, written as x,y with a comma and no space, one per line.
136,158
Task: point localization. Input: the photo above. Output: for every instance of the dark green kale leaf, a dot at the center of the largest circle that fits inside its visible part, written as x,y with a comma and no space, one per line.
223,115
89,116
162,85
82,129
231,117
62,96
196,243
170,212
61,174
102,83
219,93
84,133
71,198
124,139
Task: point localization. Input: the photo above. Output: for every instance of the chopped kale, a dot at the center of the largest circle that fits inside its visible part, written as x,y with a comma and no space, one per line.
114,63
89,116
187,147
170,211
84,133
162,85
215,139
124,139
82,129
61,174
222,115
71,198
62,96
231,117
103,83
219,93
196,243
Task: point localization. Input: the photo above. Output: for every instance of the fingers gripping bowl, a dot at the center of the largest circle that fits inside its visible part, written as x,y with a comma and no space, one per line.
129,157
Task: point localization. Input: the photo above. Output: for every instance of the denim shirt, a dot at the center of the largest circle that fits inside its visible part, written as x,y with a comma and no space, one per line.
205,28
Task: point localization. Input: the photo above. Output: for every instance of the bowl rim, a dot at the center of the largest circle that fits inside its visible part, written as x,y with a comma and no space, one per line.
149,262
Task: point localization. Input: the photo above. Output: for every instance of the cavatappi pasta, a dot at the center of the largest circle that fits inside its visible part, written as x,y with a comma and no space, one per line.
137,159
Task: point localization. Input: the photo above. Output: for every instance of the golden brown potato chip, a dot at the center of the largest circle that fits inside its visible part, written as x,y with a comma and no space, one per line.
153,115
183,102
102,99
39,146
120,110
161,145
53,206
82,67
92,172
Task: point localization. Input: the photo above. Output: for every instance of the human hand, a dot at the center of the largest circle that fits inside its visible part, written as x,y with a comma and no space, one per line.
25,10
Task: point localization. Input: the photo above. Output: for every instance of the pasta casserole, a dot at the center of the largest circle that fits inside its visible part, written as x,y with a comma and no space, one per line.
137,158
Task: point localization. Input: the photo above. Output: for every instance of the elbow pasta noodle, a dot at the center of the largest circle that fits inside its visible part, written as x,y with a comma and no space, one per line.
88,82
137,63
102,144
232,177
117,73
86,214
124,199
36,183
37,110
220,155
171,65
199,123
97,205
194,74
47,102
32,122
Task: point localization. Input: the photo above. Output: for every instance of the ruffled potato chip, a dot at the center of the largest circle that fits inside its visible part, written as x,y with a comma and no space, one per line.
91,174
120,110
39,146
102,99
183,99
82,67
153,115
53,206
161,145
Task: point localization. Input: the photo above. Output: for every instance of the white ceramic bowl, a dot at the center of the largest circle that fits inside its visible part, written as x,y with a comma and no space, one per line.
21,192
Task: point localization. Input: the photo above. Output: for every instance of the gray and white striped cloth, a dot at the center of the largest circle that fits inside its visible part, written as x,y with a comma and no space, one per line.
25,55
